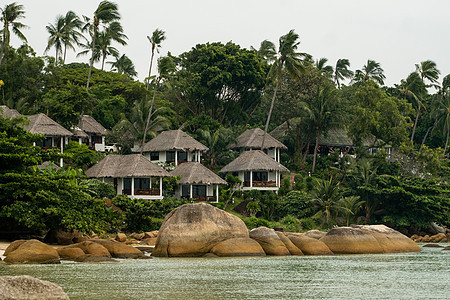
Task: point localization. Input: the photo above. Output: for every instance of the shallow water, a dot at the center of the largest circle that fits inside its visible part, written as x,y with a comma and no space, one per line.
424,275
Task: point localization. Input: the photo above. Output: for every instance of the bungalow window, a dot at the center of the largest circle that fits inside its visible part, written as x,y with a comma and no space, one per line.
170,156
127,186
96,139
154,156
199,190
182,156
141,183
260,176
185,190
46,143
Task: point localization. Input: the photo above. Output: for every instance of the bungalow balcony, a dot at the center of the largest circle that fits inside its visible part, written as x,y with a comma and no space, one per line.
142,192
199,198
269,183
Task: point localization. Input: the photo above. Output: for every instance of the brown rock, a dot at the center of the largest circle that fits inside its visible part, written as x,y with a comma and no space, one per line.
121,237
348,240
419,239
149,235
238,247
438,238
289,245
33,252
13,246
414,237
446,248
89,258
426,239
193,229
315,234
390,240
149,241
120,250
69,253
132,241
137,236
433,246
89,247
310,246
62,237
269,241
27,287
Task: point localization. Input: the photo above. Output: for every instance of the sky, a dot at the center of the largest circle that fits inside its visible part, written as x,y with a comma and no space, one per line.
397,34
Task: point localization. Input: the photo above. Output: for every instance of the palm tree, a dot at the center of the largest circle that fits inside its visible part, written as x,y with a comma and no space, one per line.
341,71
123,65
57,35
323,68
371,70
428,70
155,40
104,46
441,113
9,16
106,14
286,59
326,196
350,206
365,174
215,141
72,28
166,66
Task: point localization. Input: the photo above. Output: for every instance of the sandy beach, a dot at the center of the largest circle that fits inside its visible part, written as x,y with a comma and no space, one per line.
3,245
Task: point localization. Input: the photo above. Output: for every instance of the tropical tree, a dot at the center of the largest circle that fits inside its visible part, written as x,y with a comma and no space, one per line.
215,141
427,70
286,59
10,15
324,69
326,196
365,174
350,206
371,70
104,41
441,113
123,65
341,71
158,36
106,14
57,34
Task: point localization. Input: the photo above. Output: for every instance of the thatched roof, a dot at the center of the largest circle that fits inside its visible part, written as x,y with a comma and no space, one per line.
77,132
42,124
174,140
252,138
253,160
8,113
45,164
196,173
336,137
89,125
120,166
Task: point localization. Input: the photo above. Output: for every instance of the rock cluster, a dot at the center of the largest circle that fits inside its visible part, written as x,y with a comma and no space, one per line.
437,238
27,287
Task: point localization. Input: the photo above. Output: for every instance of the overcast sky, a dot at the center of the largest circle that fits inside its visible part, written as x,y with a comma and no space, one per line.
397,34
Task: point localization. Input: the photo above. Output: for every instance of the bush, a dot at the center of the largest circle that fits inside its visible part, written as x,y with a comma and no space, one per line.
98,189
295,203
291,223
254,222
308,224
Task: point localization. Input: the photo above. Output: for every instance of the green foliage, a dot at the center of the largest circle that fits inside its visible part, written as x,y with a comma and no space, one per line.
98,189
295,203
80,156
144,215
291,223
254,222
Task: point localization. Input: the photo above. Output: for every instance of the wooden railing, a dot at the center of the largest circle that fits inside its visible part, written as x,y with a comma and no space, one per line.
269,183
202,198
142,192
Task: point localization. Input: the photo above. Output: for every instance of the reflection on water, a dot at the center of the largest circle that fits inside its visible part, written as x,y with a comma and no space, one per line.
424,275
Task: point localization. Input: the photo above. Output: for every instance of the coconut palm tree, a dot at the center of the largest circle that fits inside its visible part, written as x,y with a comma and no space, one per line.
326,196
9,16
155,40
72,29
350,206
427,70
104,41
57,34
371,70
106,14
215,141
285,60
341,71
323,68
123,65
441,113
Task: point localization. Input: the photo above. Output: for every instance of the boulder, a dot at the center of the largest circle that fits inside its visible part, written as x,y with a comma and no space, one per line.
33,252
289,245
238,247
89,247
348,240
13,246
310,246
446,248
69,253
89,258
315,234
120,250
433,246
149,235
121,237
62,237
149,241
440,237
193,229
390,240
269,241
137,236
27,287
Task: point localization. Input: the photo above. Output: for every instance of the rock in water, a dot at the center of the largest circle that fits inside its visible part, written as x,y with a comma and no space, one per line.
347,240
310,246
289,245
238,247
315,234
120,250
27,287
62,237
269,241
32,252
193,229
390,240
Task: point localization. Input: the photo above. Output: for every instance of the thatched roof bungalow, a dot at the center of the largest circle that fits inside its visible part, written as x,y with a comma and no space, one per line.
173,146
251,139
8,113
132,175
197,182
91,133
256,170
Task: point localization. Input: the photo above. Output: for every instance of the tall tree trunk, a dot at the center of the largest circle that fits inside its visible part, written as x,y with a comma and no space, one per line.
3,50
91,63
426,134
103,61
415,124
56,57
65,50
446,141
147,124
316,146
269,115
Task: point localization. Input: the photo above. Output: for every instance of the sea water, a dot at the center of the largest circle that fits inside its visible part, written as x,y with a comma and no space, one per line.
424,275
